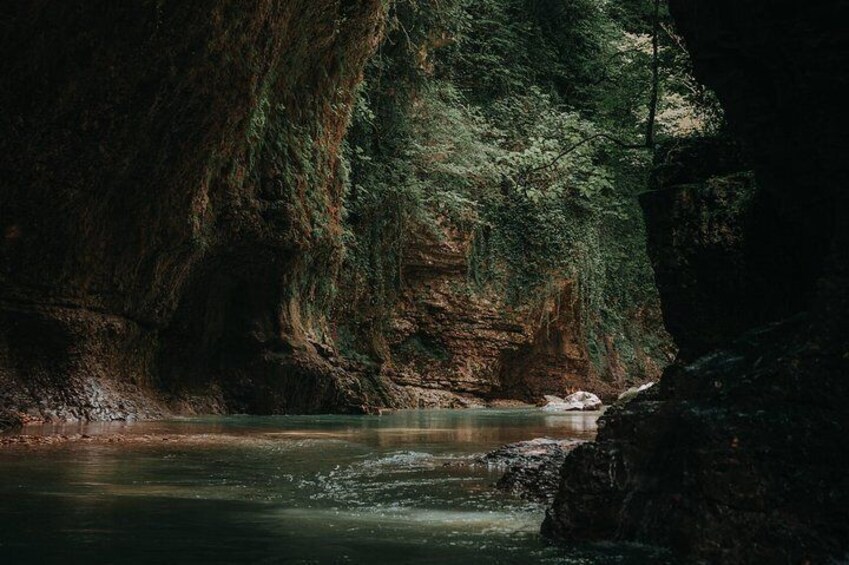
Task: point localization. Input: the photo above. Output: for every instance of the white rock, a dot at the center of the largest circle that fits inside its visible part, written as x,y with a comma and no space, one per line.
632,392
577,401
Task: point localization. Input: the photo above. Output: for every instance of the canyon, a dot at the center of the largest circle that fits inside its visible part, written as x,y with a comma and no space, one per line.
175,241
172,231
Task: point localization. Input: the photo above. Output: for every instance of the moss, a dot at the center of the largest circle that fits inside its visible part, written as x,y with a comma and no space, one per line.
430,147
181,172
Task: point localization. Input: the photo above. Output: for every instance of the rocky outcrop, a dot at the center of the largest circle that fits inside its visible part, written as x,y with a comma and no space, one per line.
729,459
169,203
699,221
733,457
531,468
451,343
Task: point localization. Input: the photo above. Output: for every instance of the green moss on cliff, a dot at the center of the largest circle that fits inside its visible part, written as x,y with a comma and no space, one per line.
171,169
463,121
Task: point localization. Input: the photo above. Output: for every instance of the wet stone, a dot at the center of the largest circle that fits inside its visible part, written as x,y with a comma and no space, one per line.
531,468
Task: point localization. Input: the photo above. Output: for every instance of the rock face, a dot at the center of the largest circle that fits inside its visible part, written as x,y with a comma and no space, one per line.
532,468
733,457
169,192
729,459
170,234
450,343
445,336
699,220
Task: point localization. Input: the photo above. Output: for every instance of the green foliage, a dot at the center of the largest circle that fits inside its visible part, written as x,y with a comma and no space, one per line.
465,119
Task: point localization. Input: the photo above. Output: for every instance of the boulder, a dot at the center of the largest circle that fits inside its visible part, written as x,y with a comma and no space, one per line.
633,392
532,468
577,401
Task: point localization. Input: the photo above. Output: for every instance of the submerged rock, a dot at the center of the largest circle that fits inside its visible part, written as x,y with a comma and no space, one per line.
577,401
532,468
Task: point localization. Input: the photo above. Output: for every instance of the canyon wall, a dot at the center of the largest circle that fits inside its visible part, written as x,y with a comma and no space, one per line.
467,279
737,455
701,214
452,343
171,218
170,200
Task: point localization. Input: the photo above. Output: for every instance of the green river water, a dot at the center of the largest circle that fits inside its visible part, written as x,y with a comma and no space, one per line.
292,489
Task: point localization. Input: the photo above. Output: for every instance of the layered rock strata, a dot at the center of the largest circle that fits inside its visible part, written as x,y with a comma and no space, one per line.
169,192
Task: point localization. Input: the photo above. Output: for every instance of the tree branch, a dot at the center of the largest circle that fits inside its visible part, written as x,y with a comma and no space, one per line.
653,104
655,76
573,147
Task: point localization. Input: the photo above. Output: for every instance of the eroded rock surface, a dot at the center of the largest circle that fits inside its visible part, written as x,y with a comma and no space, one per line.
734,456
170,190
449,339
532,468
446,342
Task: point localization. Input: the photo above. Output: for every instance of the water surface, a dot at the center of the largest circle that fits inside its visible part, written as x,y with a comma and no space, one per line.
398,488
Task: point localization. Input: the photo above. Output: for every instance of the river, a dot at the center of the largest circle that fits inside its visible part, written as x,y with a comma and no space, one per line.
398,488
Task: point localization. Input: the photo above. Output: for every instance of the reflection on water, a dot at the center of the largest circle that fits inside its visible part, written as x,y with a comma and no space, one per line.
320,489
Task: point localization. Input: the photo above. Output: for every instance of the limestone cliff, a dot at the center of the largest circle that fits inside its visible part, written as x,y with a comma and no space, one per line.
170,212
169,193
446,342
447,335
